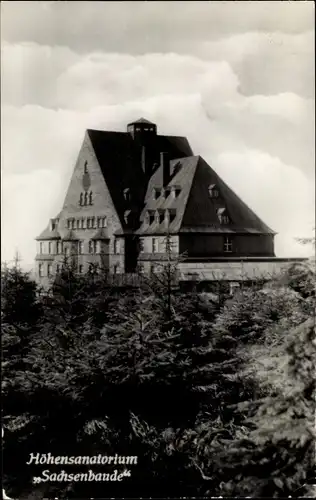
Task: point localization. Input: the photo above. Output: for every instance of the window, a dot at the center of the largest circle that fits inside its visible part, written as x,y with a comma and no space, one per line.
86,199
116,268
93,224
141,244
68,223
49,248
157,193
151,216
99,222
233,286
167,192
80,247
41,247
80,269
154,245
89,223
92,246
86,167
127,216
127,194
140,269
83,223
40,270
90,198
228,245
53,225
81,199
73,223
67,251
172,216
213,191
59,247
161,217
49,270
57,268
222,216
116,246
98,247
177,192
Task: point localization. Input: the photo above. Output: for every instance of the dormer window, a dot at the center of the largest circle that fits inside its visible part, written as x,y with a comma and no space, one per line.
127,194
167,192
86,167
222,216
177,191
141,244
213,191
157,193
171,215
127,214
150,217
161,216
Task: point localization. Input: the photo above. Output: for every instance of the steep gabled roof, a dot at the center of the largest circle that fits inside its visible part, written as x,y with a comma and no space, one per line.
185,171
201,209
48,234
119,160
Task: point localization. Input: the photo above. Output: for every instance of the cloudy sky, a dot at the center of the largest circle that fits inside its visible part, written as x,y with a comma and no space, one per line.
236,78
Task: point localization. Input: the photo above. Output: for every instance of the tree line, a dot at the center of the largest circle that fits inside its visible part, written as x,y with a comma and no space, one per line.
214,397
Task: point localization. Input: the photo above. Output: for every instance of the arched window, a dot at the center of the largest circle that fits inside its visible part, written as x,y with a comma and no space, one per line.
127,194
86,167
86,198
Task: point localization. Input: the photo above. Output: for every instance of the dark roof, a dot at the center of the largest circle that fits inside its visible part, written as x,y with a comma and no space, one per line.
119,159
47,234
142,120
201,210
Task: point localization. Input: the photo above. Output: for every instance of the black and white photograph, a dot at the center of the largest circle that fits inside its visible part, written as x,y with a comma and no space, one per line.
158,249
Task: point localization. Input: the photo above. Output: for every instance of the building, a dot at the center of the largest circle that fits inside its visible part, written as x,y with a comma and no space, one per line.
129,190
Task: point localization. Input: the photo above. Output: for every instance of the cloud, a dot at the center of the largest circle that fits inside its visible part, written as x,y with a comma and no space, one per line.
236,78
279,193
143,27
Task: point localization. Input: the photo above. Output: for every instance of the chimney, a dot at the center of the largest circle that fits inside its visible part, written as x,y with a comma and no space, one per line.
164,162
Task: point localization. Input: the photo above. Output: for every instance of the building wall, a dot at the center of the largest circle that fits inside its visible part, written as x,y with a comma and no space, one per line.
102,207
204,245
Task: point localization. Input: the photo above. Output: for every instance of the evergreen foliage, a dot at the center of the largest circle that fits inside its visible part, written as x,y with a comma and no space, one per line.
165,376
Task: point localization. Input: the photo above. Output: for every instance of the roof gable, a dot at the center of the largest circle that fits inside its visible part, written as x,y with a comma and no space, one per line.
202,210
184,171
